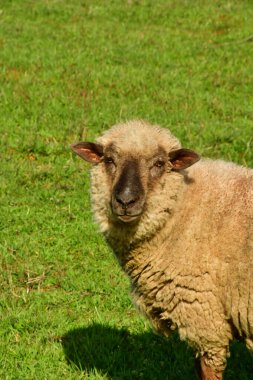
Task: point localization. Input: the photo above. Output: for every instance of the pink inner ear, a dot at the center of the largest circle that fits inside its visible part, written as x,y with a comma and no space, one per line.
177,164
90,152
182,162
183,158
89,155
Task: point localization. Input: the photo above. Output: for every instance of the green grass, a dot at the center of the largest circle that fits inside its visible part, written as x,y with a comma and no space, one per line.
69,70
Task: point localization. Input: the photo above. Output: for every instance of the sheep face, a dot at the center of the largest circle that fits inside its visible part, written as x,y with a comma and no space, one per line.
134,169
131,177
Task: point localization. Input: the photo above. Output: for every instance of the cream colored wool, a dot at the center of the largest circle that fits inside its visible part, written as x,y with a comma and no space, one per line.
190,256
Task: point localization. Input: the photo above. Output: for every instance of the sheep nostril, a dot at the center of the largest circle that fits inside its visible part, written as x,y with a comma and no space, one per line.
126,201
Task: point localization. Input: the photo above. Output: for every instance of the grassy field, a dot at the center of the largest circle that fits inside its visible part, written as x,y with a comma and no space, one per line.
69,70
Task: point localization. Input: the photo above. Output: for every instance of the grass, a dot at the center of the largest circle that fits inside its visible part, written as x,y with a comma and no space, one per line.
68,71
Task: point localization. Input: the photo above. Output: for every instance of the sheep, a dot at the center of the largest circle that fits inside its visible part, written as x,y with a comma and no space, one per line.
181,227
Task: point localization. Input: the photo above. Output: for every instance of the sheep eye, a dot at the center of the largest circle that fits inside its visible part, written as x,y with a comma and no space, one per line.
159,163
157,168
109,160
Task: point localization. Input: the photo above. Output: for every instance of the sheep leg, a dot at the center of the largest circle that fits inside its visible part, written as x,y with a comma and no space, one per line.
207,373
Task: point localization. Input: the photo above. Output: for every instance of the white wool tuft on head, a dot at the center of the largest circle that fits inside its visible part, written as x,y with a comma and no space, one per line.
140,135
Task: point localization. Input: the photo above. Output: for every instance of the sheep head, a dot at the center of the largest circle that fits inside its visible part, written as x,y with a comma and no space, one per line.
134,160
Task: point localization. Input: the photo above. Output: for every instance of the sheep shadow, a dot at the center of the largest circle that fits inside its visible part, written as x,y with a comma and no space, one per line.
123,356
119,355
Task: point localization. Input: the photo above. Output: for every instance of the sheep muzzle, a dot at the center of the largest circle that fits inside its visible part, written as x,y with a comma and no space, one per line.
128,194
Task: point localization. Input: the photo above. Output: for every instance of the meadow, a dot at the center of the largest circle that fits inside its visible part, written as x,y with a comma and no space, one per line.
68,71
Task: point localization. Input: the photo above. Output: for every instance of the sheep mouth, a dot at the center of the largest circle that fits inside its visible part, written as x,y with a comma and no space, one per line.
125,214
128,218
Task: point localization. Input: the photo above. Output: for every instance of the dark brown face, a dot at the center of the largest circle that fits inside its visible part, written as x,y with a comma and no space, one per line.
131,179
128,193
132,175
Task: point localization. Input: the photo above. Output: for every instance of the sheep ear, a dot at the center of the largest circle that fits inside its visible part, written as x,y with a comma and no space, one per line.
88,151
183,158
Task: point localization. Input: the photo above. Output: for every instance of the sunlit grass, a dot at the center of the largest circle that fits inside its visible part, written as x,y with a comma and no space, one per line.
68,71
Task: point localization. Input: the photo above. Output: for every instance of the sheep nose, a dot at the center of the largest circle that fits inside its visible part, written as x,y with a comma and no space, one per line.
126,198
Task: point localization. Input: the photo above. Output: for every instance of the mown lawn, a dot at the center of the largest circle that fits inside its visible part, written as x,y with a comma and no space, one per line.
69,70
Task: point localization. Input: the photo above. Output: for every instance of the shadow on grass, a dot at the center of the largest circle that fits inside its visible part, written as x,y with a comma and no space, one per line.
124,356
240,363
